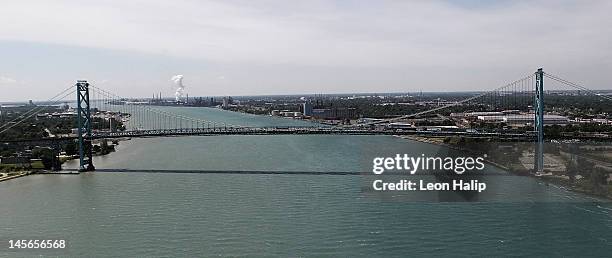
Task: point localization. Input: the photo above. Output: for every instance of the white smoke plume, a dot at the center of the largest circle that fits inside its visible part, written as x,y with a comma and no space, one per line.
178,80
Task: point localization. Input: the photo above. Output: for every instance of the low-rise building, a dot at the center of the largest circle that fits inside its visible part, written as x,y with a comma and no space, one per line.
491,119
477,114
528,119
399,125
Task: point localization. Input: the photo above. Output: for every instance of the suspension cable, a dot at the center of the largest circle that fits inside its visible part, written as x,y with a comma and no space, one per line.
485,94
6,128
577,86
37,108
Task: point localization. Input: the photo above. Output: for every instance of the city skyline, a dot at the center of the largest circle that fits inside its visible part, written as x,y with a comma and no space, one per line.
244,48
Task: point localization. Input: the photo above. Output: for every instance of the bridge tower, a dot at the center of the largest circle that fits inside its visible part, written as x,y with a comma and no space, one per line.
539,122
84,127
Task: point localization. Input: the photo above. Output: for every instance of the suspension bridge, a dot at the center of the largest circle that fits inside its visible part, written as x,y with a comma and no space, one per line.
101,114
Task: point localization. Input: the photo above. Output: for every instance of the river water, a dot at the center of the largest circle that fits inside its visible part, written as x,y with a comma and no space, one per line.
202,214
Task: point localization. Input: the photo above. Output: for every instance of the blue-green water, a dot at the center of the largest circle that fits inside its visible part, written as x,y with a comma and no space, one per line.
133,214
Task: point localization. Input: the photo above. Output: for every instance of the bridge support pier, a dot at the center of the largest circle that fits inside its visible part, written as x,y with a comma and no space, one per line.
84,127
538,163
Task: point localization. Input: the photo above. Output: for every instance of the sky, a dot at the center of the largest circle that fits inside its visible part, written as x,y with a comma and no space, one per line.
245,47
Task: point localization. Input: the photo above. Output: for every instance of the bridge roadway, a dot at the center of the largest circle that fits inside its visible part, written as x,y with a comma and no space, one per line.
501,136
280,131
302,131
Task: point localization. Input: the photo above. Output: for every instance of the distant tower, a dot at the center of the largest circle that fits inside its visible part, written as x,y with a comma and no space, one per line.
307,108
225,102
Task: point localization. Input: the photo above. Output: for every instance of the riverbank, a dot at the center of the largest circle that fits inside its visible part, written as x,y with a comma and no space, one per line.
38,168
13,175
552,179
440,142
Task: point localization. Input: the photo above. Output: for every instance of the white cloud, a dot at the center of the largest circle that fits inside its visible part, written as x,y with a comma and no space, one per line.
274,46
323,33
7,80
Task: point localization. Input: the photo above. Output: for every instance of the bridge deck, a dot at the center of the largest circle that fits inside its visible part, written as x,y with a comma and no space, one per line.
288,131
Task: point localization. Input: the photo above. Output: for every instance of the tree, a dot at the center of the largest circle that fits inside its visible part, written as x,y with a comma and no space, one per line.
46,155
71,148
96,148
571,170
105,148
597,180
587,167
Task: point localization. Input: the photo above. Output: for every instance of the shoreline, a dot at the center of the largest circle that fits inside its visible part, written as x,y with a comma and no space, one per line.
428,141
49,172
547,180
18,175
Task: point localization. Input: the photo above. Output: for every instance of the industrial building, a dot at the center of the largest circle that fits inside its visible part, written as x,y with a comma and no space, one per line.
320,110
334,113
523,120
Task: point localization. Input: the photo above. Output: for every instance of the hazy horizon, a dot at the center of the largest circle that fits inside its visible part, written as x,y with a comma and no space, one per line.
249,48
